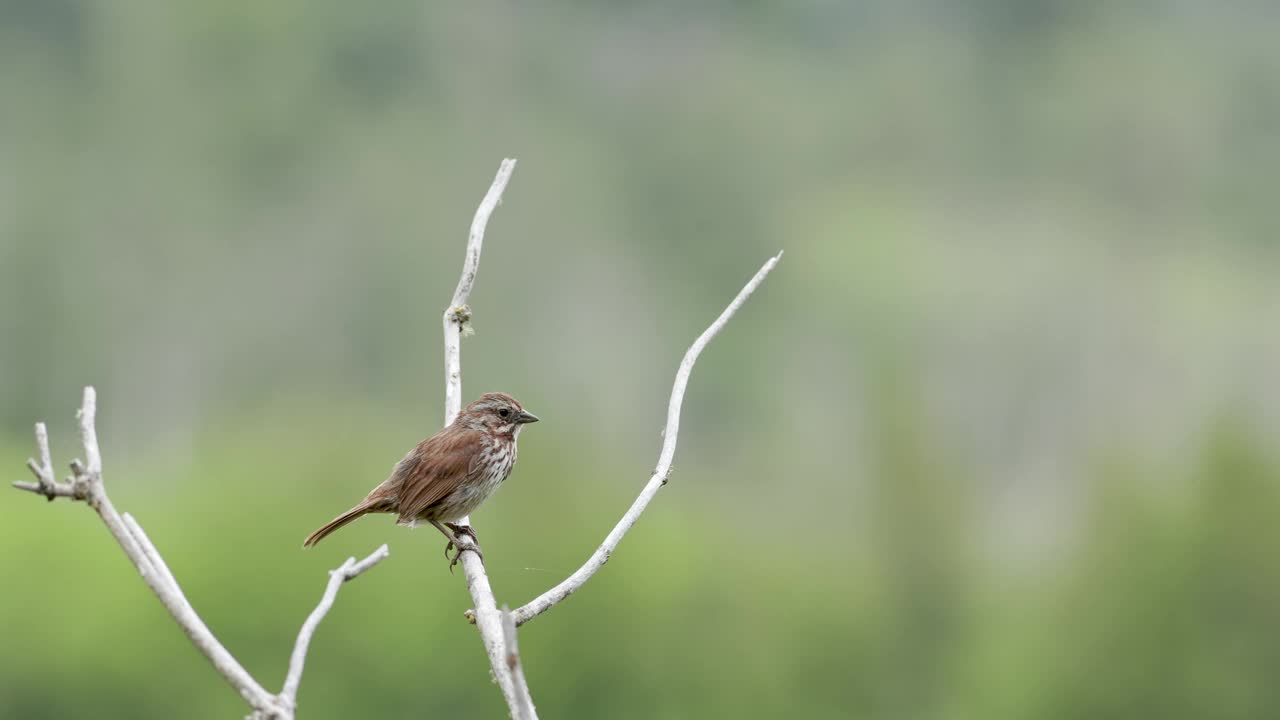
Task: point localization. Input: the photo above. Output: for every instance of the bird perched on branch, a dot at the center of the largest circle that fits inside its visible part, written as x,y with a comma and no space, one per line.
449,474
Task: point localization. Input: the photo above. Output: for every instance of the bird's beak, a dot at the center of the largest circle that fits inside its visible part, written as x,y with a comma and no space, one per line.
526,417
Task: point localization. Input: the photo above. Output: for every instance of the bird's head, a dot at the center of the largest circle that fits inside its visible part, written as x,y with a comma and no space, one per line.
496,412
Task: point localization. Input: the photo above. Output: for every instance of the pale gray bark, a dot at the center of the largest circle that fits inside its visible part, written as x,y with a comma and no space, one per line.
456,317
524,704
570,585
86,484
349,570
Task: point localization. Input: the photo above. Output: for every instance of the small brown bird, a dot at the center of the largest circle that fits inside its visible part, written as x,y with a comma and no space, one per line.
449,474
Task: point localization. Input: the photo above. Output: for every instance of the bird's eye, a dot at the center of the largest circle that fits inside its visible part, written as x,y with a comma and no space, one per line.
504,413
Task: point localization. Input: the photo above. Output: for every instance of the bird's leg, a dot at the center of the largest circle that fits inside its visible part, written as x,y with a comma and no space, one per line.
464,530
459,530
453,536
454,542
448,548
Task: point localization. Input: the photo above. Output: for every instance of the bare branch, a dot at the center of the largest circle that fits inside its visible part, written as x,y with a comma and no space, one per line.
46,458
524,706
45,472
89,433
475,240
87,485
456,317
458,314
46,484
347,571
374,558
153,556
570,585
68,490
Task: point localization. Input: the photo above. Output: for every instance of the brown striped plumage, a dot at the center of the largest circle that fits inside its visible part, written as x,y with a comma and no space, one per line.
449,474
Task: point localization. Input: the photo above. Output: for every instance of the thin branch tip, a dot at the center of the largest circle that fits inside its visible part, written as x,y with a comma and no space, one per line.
374,558
89,433
661,474
348,570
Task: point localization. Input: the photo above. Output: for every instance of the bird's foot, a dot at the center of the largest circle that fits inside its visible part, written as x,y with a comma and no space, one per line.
463,530
472,544
461,548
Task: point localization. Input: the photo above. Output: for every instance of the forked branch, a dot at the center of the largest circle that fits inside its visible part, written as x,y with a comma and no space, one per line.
86,484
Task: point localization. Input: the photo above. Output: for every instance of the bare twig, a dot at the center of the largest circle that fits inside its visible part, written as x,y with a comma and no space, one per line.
46,484
86,484
456,317
89,433
475,239
570,585
63,489
524,705
44,473
347,571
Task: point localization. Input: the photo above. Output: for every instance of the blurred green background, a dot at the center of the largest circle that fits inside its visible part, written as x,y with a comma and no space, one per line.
995,440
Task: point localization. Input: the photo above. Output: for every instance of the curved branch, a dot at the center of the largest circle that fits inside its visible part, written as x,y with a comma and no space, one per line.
458,314
349,570
456,317
570,585
475,239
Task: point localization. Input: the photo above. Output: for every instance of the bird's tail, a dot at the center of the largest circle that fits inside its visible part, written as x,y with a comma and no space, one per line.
363,508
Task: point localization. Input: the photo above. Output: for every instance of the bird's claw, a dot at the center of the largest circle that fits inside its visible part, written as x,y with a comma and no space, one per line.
453,559
463,530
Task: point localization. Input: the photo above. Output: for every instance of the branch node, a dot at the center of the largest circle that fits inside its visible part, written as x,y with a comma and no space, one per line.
461,316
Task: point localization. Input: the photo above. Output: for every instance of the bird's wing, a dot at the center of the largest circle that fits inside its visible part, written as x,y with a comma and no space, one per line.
438,466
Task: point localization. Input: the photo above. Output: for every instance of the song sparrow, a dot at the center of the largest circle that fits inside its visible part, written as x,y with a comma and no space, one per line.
449,474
